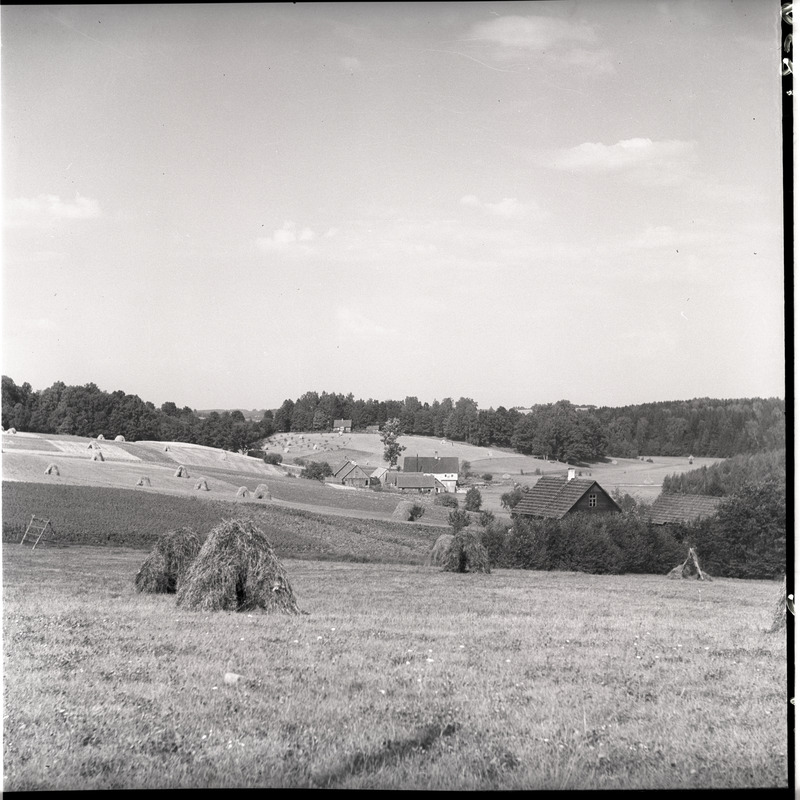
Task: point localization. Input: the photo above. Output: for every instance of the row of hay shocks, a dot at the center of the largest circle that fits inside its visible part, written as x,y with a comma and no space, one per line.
235,569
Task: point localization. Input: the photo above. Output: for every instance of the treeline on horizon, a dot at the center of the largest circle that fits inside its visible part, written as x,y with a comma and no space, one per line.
702,427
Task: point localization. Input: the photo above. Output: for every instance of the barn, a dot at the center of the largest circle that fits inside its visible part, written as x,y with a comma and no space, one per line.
350,474
556,496
413,482
682,508
342,425
445,470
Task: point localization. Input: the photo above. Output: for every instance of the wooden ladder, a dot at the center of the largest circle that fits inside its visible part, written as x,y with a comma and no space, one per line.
37,525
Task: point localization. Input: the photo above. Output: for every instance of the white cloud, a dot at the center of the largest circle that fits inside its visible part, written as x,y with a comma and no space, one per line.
666,162
352,323
49,208
350,63
288,239
532,33
508,207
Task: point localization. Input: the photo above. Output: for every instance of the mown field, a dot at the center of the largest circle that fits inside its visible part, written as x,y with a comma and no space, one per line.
397,677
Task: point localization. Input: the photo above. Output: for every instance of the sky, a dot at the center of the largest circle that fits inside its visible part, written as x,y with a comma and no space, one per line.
224,206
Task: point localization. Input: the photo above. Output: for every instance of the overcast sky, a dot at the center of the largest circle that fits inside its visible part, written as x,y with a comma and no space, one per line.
225,206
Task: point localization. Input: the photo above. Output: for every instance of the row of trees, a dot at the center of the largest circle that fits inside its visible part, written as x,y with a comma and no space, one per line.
89,411
560,431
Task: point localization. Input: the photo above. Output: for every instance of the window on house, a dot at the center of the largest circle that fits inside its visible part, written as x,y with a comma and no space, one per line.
592,500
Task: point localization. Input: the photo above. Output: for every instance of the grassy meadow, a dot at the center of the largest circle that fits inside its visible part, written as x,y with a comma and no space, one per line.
397,676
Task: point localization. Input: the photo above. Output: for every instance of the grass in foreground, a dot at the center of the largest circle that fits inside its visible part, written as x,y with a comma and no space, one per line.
398,677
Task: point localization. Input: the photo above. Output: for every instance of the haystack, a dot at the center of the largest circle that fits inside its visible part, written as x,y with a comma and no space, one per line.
403,511
100,436
181,472
166,449
466,553
243,492
119,438
237,570
143,481
12,430
779,614
165,568
689,569
440,548
262,492
52,469
97,455
202,484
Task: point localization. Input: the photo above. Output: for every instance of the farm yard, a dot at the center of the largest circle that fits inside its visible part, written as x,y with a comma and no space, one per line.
397,676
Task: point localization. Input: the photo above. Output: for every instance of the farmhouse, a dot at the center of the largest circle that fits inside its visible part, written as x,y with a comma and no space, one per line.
413,482
342,425
350,474
555,497
445,470
677,508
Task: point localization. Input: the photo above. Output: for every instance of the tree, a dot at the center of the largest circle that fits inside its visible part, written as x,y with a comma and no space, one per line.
473,500
458,520
391,447
316,470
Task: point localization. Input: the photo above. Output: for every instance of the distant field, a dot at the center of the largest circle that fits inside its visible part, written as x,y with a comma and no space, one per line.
398,677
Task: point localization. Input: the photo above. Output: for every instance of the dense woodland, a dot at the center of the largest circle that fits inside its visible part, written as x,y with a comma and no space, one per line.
561,430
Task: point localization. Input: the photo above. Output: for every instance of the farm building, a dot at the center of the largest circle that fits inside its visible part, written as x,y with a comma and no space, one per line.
380,474
373,429
445,470
679,508
350,474
414,482
342,425
555,497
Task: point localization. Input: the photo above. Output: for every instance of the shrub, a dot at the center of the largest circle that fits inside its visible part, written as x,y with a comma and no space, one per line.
273,458
316,470
447,500
510,499
487,518
416,511
458,519
473,500
487,476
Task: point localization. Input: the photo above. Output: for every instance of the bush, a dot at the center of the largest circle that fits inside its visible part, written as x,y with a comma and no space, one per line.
273,458
457,520
486,518
487,476
447,500
510,499
416,511
473,500
316,470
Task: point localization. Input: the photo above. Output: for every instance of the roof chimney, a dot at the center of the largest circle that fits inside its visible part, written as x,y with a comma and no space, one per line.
570,474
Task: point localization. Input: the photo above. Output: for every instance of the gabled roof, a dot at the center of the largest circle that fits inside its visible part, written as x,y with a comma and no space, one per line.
682,508
553,496
347,469
430,464
379,472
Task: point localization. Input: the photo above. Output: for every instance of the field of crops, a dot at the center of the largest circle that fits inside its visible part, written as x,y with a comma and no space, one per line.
397,677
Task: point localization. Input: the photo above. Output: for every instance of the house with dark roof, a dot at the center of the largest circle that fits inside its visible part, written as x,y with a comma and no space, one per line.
445,470
342,425
350,474
555,496
682,508
413,482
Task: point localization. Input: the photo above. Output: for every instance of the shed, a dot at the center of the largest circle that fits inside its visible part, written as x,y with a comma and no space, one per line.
682,508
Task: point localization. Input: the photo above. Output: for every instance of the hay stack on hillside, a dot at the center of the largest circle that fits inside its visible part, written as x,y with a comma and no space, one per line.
143,481
97,455
100,436
439,551
237,570
262,492
689,569
779,613
165,568
243,492
403,511
12,430
119,438
202,484
466,553
52,469
181,472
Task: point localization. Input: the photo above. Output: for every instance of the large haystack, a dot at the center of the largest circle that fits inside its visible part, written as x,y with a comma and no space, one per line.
466,553
97,455
181,472
404,511
100,436
237,570
262,492
143,481
12,430
119,438
202,484
165,568
52,469
689,569
439,550
243,492
779,613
